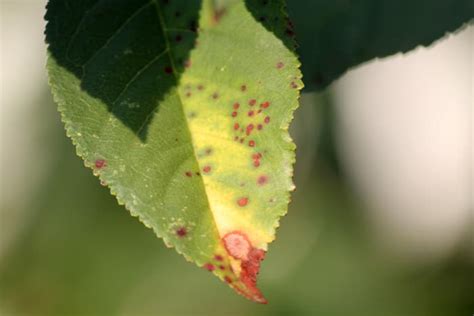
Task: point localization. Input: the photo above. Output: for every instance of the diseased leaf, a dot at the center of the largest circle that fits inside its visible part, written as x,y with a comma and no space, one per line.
336,35
188,131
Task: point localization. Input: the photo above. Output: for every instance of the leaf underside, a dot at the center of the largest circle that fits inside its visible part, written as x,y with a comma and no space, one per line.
187,128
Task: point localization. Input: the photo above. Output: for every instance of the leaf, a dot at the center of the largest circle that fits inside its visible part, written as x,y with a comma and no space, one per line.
336,35
189,133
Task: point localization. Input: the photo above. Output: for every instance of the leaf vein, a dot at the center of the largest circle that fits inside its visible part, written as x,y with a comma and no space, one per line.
119,29
138,74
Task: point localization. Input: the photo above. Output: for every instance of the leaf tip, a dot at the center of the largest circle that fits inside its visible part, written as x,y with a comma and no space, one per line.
246,261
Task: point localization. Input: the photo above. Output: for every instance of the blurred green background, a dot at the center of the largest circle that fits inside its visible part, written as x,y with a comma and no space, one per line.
67,248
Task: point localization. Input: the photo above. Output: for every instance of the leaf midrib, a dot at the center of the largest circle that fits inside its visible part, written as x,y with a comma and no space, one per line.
163,26
162,23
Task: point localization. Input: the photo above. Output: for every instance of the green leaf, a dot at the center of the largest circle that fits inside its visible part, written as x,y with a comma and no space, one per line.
189,130
336,35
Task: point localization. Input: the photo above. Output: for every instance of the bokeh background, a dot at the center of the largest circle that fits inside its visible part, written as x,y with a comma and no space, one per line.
380,224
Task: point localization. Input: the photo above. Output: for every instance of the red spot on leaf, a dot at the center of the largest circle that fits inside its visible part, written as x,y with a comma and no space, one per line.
218,257
252,102
100,163
206,169
252,143
280,65
209,267
251,113
200,87
236,126
249,129
222,267
256,159
256,156
181,232
234,114
265,104
243,88
227,279
236,105
262,180
242,201
259,126
267,119
237,245
188,174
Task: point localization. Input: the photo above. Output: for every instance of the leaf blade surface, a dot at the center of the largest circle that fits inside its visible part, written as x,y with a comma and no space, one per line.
155,113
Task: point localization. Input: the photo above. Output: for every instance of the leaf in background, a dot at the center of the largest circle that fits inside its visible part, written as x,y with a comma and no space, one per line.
336,35
190,134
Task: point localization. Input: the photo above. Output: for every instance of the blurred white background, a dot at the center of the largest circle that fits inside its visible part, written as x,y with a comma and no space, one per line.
405,139
24,159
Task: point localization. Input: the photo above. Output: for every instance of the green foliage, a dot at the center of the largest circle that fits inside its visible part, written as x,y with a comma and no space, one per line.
185,128
336,35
